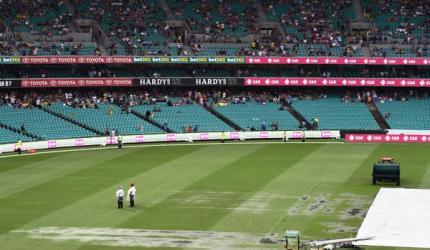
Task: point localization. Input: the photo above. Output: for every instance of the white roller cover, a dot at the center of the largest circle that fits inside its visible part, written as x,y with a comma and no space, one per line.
398,217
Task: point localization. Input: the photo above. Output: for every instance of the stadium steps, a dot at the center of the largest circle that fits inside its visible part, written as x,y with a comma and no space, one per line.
377,116
298,116
366,51
359,11
151,121
75,122
222,118
261,13
71,7
18,131
167,9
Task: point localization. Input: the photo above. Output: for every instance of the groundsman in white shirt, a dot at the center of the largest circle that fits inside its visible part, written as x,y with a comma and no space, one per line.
120,196
131,193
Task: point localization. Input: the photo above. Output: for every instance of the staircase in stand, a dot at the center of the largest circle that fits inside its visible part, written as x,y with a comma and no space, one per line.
298,116
151,121
75,122
222,118
18,131
377,115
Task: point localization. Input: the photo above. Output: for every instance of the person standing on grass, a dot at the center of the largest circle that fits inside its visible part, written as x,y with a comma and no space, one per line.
18,147
222,137
120,196
119,141
131,193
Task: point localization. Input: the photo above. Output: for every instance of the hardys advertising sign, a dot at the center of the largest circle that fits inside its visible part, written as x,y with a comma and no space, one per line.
188,82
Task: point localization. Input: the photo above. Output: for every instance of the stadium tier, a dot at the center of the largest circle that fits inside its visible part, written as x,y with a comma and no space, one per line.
41,124
183,117
214,28
55,115
105,118
8,136
253,115
333,114
411,114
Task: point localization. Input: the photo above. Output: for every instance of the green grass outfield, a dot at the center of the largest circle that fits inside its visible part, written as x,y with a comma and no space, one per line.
323,190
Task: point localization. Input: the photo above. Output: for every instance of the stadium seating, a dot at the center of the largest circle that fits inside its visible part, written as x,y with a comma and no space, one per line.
233,19
178,117
412,114
40,17
324,50
334,114
139,27
125,124
5,49
218,51
252,115
309,20
399,19
41,123
57,49
130,26
7,136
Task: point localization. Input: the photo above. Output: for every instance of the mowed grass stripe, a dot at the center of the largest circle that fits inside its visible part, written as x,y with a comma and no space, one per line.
39,170
425,181
155,185
227,187
413,166
31,204
325,181
12,163
319,172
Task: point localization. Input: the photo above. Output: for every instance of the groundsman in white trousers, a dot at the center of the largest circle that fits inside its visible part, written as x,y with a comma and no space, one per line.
119,196
131,193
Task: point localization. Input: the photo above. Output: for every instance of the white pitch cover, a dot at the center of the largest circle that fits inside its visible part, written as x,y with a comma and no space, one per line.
398,217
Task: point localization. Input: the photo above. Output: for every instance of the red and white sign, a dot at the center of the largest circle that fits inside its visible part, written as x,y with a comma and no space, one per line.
339,60
337,82
75,82
386,138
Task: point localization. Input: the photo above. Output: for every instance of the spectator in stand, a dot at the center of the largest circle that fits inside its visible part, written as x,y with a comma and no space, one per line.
42,17
6,50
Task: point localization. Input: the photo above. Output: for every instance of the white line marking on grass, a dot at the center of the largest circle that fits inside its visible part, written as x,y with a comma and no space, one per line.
168,145
122,237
